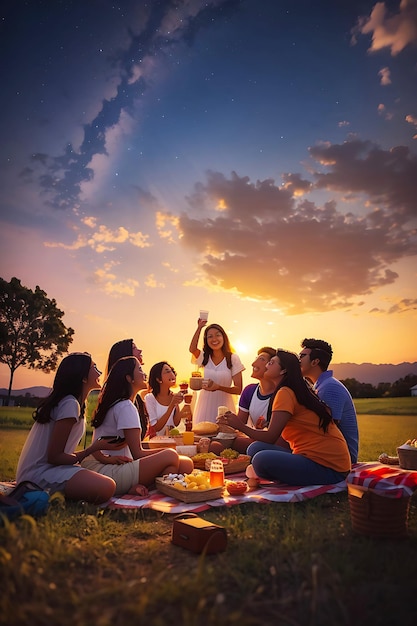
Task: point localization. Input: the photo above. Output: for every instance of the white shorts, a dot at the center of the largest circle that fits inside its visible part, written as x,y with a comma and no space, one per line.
125,475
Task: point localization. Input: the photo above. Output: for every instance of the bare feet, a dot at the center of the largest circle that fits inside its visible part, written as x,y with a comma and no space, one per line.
139,490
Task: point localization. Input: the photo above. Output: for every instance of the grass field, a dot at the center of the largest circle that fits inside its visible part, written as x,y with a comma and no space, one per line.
289,564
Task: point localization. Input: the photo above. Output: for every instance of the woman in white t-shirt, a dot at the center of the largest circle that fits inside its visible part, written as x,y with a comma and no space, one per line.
131,467
162,404
49,457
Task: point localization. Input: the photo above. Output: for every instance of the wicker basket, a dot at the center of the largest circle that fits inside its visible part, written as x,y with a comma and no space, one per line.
377,516
408,457
188,496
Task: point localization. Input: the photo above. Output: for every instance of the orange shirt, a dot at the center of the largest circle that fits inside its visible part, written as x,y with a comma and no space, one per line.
305,437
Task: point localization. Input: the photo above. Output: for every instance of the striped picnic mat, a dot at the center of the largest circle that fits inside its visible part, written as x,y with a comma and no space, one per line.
267,492
386,480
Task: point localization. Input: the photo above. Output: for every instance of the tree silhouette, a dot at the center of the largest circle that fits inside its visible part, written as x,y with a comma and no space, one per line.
32,333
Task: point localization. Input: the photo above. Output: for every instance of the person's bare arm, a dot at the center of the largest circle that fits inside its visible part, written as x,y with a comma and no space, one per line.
235,389
270,435
194,349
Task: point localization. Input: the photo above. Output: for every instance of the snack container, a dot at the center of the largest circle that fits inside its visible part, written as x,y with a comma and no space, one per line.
196,383
408,457
187,450
198,535
161,442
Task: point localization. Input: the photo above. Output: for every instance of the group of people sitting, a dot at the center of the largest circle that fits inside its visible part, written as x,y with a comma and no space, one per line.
298,423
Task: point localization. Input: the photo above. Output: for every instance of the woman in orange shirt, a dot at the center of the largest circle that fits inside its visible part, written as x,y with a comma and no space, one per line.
319,454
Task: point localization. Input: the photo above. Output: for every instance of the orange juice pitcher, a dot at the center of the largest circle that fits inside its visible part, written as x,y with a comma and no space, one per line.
216,473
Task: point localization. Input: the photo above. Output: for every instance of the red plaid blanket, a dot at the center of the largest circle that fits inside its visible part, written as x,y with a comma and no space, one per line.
386,480
267,492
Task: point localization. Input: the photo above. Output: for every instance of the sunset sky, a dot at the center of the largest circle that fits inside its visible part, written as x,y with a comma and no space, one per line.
257,158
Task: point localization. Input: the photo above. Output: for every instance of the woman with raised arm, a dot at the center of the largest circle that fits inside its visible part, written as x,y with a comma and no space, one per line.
222,372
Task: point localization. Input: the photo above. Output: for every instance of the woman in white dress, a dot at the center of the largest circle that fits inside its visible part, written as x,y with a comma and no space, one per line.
222,372
133,468
49,457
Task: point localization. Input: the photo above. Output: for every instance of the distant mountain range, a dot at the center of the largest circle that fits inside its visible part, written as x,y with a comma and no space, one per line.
374,374
364,373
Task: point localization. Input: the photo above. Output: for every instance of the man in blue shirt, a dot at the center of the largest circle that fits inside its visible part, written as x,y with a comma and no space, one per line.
315,357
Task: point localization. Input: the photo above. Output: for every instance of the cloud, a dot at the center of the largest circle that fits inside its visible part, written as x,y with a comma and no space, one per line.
412,119
393,31
385,76
387,177
105,279
103,239
271,244
382,110
407,304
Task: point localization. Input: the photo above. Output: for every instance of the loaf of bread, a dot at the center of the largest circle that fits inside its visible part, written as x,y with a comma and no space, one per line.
206,428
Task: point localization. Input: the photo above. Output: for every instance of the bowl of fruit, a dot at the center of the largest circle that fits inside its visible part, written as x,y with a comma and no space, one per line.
236,487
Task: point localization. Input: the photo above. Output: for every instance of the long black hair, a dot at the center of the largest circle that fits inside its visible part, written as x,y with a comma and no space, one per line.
117,351
155,376
68,381
226,347
115,388
122,348
304,394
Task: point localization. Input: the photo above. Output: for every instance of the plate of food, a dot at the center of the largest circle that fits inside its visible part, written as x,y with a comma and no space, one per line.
194,487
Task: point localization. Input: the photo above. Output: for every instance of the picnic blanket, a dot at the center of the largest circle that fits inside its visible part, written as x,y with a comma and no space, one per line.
384,479
267,492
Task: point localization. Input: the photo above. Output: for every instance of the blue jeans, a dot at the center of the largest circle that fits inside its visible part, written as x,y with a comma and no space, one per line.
275,463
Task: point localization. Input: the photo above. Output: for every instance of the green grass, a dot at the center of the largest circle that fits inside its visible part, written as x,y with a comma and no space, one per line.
296,564
386,406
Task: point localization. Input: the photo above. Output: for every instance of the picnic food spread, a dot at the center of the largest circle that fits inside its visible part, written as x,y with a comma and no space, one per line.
236,487
206,428
197,480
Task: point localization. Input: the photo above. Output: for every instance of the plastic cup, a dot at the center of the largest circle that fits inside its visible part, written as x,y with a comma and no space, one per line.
204,315
188,438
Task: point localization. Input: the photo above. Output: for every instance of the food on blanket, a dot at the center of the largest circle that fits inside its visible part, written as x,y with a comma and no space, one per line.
202,456
236,487
223,428
228,453
388,460
206,428
174,432
161,441
196,481
203,445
